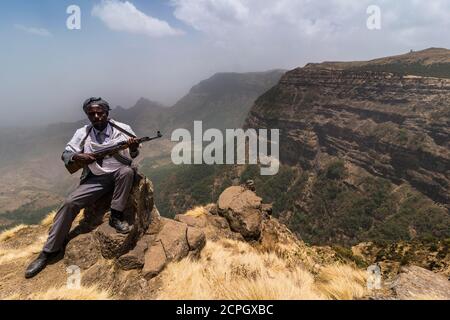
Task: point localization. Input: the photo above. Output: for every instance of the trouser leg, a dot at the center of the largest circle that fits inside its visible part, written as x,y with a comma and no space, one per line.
87,193
123,182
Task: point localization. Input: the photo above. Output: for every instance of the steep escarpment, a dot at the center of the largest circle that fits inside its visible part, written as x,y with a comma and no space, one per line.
392,126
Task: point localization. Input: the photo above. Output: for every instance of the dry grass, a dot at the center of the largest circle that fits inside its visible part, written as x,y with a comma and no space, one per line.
8,255
234,270
342,282
8,234
48,220
196,212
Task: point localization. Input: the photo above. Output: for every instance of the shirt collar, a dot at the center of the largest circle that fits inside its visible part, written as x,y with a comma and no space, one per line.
106,131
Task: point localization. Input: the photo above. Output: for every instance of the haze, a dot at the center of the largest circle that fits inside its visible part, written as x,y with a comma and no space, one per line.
160,49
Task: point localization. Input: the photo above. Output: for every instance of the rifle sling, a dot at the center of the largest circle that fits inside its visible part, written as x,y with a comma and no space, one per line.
122,130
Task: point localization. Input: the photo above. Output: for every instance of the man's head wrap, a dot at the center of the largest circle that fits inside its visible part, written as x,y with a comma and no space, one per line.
97,102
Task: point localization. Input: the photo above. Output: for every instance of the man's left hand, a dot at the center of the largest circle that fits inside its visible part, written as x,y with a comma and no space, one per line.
133,144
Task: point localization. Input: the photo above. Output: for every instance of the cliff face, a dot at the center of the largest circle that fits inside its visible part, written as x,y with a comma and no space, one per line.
391,125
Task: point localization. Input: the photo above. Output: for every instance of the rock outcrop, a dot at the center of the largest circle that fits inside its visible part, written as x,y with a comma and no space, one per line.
393,126
240,215
417,283
131,264
242,208
153,242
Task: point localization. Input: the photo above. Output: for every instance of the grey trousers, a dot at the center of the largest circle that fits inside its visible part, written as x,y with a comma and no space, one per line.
88,192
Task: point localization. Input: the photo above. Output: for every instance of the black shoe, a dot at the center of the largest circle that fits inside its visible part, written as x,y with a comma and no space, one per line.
116,222
38,264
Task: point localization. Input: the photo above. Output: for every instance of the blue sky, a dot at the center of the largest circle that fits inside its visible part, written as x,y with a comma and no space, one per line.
160,49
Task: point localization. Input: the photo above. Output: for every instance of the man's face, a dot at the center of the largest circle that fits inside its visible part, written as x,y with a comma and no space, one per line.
98,117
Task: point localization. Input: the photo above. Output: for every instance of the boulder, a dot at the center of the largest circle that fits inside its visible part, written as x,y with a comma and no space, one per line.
135,258
112,243
173,238
140,212
153,242
155,222
243,210
213,226
173,243
155,260
196,239
418,283
198,222
82,251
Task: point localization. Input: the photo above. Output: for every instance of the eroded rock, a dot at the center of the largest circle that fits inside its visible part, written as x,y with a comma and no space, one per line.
196,238
135,258
83,251
418,283
173,238
155,260
139,212
153,242
198,222
242,208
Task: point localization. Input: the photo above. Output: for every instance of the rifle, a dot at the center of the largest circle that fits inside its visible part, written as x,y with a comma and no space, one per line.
74,166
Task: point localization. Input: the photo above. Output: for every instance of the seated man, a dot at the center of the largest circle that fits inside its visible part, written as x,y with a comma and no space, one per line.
99,177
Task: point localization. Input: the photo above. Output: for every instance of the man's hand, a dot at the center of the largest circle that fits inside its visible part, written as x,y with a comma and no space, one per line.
133,144
84,158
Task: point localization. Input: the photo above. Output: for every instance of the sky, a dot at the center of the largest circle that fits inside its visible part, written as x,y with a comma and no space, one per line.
160,49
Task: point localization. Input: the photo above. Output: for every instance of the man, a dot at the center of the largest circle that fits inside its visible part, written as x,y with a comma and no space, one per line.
99,177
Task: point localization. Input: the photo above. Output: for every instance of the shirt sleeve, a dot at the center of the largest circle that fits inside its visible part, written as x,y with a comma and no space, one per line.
72,147
67,157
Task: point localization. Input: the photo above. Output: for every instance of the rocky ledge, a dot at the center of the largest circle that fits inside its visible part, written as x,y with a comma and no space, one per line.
153,242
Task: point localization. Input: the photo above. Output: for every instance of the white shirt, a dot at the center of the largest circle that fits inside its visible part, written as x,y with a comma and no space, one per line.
112,136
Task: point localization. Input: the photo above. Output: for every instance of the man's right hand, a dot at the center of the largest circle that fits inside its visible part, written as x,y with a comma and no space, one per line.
84,158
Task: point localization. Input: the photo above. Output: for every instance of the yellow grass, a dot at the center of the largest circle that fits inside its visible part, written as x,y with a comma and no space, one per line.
8,255
64,293
8,234
342,282
48,220
196,212
234,270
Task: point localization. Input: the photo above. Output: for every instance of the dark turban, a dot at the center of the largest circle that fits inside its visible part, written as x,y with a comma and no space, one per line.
98,102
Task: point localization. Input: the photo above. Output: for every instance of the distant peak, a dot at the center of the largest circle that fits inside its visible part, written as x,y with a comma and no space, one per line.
147,103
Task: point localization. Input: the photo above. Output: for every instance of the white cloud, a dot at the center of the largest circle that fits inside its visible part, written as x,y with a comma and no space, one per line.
35,31
124,16
327,29
211,16
308,18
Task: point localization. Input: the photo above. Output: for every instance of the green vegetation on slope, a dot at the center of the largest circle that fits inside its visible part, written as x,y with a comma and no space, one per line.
340,213
336,213
25,215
